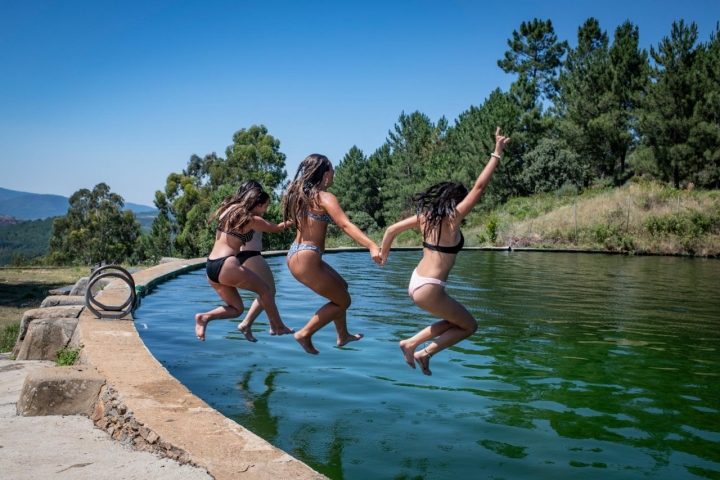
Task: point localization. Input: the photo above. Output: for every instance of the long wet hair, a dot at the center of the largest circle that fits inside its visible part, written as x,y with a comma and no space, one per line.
301,194
436,203
249,195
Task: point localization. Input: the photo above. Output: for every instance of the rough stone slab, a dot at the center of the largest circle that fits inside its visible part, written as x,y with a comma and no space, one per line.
70,311
60,391
62,301
45,337
80,286
61,290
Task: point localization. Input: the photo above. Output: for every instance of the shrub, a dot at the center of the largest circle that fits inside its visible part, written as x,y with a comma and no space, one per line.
684,224
492,230
8,337
550,166
67,356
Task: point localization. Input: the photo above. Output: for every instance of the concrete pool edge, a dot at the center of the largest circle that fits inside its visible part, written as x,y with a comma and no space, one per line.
174,421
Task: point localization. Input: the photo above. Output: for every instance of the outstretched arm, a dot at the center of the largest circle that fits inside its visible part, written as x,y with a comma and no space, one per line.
262,225
392,231
333,208
473,196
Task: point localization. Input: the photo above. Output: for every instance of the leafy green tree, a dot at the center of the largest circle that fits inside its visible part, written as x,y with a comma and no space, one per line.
94,229
253,154
192,195
667,117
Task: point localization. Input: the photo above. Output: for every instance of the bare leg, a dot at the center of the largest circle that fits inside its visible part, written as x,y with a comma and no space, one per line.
458,324
246,279
309,269
233,308
259,266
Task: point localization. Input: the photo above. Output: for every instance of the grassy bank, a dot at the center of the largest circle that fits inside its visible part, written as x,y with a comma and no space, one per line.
23,289
638,218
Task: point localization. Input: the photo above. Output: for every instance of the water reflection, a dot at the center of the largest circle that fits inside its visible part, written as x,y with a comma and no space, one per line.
598,363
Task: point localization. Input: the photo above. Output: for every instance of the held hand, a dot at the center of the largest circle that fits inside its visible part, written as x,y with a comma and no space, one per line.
500,142
375,254
383,257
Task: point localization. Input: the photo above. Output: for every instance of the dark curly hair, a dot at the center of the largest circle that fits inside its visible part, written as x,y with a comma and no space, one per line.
437,202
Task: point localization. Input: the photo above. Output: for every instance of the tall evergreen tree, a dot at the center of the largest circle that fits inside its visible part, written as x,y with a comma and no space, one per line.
630,77
158,242
668,110
705,134
535,55
412,144
585,101
357,186
470,141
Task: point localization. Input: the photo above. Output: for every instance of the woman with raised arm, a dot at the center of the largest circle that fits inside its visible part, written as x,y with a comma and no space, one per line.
239,216
310,207
440,209
257,264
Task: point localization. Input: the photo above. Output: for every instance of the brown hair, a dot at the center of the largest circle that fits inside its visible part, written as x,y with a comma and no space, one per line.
234,211
301,193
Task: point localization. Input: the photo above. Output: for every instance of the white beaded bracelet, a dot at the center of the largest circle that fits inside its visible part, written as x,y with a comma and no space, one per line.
495,155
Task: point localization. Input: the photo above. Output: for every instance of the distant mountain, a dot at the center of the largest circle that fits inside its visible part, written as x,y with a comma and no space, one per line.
35,206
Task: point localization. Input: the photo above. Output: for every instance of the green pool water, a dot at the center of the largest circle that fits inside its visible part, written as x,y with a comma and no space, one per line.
584,366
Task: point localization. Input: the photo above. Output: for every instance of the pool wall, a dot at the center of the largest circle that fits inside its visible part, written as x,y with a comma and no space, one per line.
142,404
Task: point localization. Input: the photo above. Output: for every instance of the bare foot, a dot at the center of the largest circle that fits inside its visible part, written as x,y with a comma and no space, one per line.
201,322
282,330
407,353
306,343
349,338
423,360
247,331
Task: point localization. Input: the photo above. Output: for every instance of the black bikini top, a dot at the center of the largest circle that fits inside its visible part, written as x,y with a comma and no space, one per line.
454,250
244,237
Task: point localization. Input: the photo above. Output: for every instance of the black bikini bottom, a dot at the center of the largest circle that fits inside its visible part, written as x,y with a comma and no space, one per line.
213,266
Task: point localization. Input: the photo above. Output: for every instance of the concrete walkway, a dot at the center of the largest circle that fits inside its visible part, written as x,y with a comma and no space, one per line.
68,447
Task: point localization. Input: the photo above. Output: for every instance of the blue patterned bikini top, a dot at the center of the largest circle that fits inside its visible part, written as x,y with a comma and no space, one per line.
323,218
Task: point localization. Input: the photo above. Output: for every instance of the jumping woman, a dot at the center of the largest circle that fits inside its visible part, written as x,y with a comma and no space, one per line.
311,208
440,209
239,216
257,264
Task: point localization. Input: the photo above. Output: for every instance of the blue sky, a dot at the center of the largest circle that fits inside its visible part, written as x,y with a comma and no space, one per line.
124,92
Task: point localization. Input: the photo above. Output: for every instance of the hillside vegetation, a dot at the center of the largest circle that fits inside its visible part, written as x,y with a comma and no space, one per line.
662,220
640,218
23,241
